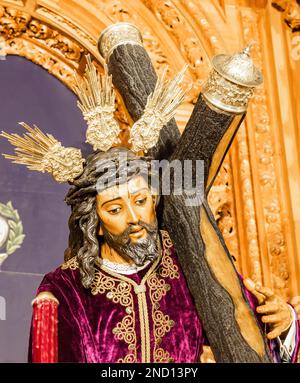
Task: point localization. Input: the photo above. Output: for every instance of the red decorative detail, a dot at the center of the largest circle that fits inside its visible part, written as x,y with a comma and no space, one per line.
44,338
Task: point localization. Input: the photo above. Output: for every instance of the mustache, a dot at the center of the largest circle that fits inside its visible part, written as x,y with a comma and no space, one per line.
140,251
150,228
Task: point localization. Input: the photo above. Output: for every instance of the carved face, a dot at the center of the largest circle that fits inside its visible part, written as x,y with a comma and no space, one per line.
128,220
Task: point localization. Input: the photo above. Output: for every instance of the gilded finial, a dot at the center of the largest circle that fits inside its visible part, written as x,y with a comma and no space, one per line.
232,80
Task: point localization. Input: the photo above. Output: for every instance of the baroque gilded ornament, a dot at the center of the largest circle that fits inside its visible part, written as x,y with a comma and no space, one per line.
291,12
184,34
16,24
268,179
23,34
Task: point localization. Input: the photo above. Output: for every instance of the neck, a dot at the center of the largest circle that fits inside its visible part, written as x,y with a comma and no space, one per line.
112,255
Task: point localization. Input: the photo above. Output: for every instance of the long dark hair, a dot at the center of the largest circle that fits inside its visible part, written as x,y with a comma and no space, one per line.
84,223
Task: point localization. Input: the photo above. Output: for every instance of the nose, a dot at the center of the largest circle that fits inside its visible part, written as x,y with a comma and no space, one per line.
132,218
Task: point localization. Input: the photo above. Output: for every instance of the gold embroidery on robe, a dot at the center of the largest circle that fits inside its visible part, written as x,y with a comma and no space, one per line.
120,292
167,268
162,324
70,264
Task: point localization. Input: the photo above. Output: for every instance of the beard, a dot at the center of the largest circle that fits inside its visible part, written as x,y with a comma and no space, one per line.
140,251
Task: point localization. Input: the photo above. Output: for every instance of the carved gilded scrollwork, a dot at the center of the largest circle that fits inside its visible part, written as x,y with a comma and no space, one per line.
291,12
25,36
266,168
61,20
15,23
186,39
40,56
249,226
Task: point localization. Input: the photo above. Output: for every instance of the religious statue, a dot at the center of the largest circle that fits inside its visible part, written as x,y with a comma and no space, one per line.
147,276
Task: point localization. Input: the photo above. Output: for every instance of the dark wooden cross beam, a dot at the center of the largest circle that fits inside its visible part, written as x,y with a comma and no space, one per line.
229,323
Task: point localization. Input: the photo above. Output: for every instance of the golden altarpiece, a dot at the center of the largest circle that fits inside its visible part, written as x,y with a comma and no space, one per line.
256,196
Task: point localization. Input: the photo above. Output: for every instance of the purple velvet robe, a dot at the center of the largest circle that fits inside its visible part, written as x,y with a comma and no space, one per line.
149,316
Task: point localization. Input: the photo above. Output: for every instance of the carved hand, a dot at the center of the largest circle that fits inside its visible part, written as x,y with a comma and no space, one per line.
276,312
